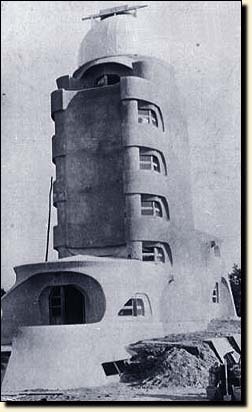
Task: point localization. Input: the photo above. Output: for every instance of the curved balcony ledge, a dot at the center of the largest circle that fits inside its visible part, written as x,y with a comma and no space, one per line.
141,89
144,135
147,228
60,99
59,194
59,237
58,147
146,181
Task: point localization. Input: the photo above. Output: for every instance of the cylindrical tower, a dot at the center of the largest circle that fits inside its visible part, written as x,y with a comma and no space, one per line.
121,151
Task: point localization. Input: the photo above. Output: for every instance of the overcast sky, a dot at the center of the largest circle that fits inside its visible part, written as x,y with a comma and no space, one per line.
40,42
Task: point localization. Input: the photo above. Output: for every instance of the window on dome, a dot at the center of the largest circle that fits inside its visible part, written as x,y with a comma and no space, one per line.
107,79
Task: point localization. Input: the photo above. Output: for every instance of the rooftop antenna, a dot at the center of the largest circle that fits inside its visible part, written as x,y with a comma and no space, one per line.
105,13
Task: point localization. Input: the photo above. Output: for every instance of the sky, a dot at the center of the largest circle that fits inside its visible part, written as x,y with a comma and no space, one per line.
40,42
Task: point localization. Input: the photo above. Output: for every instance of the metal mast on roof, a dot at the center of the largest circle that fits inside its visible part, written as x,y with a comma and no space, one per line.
103,14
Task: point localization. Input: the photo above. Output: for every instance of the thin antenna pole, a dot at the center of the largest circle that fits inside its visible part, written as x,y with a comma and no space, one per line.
49,219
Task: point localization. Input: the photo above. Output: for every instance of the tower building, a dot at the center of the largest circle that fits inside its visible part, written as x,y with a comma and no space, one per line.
121,152
131,263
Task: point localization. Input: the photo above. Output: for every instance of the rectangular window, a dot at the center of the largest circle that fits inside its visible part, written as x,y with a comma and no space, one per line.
155,164
159,255
148,254
143,116
151,208
153,254
148,116
145,162
149,162
146,208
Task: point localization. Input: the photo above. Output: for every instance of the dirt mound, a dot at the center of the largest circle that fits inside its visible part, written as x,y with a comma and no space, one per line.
167,365
180,359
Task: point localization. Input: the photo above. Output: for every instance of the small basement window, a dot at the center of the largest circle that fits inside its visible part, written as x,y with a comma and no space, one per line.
107,79
215,294
114,368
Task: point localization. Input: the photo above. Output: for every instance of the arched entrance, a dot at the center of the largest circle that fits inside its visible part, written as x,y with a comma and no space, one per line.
66,305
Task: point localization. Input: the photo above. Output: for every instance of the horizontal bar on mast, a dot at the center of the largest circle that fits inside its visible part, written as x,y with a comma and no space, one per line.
112,11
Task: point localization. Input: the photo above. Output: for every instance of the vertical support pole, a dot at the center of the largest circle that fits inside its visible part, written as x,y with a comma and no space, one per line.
49,220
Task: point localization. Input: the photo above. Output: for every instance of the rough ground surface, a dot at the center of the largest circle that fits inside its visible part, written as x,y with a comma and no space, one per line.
113,392
171,368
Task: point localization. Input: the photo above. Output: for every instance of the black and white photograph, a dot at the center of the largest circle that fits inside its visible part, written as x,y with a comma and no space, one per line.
121,202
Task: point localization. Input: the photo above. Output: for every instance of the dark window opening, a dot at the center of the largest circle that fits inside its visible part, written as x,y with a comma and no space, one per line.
215,294
110,368
107,79
114,368
66,305
153,254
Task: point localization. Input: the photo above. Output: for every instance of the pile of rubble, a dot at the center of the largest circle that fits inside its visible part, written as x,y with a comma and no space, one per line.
178,359
163,364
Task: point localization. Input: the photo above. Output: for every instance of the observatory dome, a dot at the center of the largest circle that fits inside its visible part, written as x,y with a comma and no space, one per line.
112,36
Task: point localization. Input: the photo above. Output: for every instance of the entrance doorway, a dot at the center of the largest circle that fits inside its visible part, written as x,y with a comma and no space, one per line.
66,305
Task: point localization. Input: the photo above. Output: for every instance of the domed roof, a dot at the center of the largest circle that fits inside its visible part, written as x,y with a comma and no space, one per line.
112,36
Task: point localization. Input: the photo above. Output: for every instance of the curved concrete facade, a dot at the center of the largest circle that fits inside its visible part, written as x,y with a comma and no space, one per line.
101,185
123,197
97,147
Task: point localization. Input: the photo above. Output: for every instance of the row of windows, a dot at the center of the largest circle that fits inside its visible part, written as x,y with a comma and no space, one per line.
137,305
140,305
